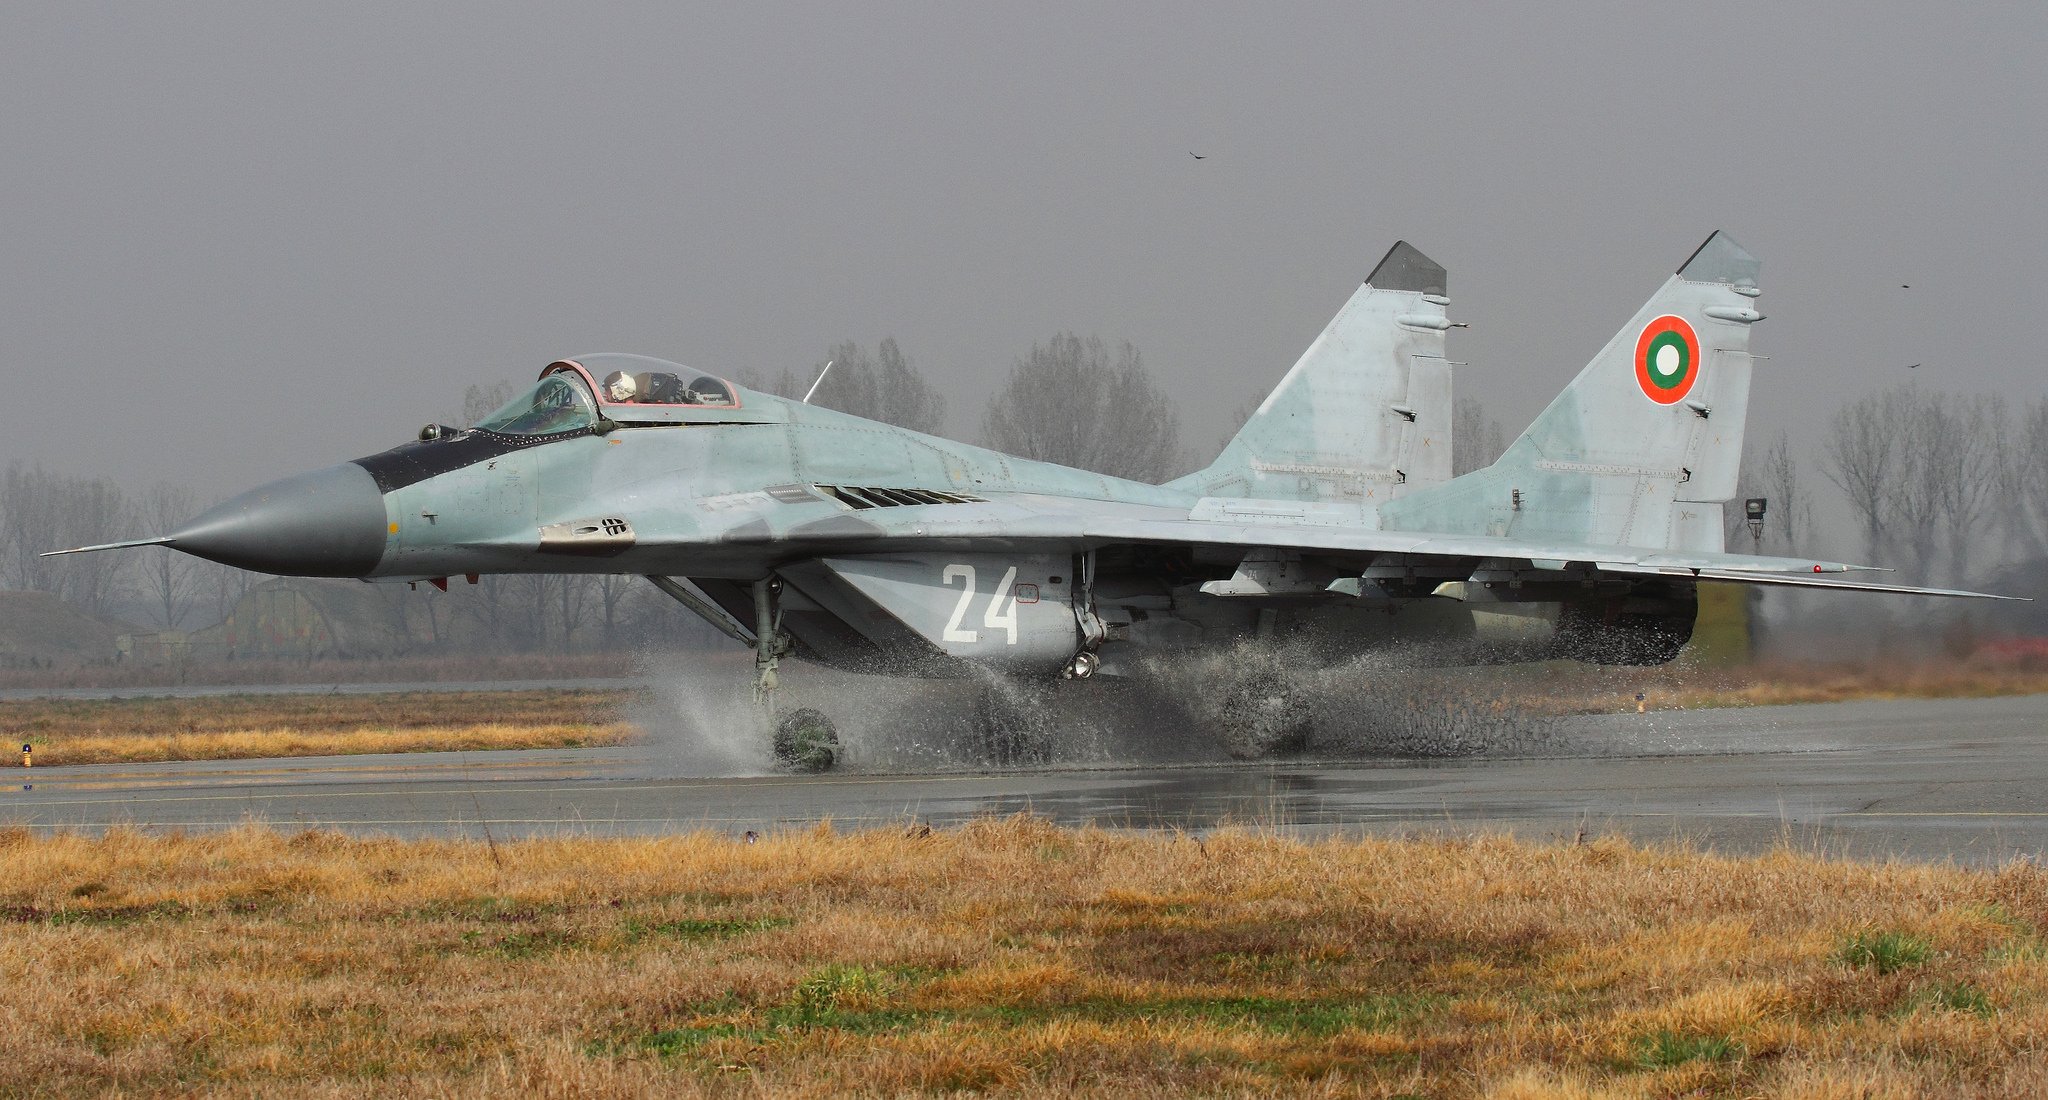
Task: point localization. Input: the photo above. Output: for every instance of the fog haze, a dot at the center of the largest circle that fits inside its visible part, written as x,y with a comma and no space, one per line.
245,240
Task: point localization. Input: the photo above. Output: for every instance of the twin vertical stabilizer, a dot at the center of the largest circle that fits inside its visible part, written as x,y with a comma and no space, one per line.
1365,415
1643,447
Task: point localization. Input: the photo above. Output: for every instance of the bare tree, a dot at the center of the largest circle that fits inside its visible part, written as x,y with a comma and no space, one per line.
436,614
1922,472
1916,508
399,610
572,606
788,382
613,591
227,585
885,386
1786,489
489,606
906,399
1770,470
42,511
30,515
86,511
1072,402
169,579
1962,466
1476,438
1863,458
479,401
2023,480
530,596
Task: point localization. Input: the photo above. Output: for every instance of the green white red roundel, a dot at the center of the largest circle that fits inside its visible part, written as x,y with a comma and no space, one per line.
1667,359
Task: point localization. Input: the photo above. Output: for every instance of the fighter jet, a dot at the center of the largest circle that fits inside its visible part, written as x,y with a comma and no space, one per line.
1328,526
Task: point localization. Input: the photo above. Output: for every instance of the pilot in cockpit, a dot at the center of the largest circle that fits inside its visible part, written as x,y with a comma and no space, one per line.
619,387
662,388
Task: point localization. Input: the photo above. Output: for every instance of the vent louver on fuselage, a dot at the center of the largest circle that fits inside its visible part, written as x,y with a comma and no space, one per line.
870,496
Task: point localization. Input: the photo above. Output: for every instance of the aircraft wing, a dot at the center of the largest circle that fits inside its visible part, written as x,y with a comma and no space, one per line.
1332,531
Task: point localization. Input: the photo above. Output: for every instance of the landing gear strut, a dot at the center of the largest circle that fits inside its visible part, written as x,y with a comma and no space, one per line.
805,740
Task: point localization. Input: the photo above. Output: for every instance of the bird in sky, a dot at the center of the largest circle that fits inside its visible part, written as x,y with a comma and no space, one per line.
1196,155
1911,366
1905,286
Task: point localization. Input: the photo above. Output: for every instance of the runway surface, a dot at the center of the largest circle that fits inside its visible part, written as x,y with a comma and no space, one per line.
1957,779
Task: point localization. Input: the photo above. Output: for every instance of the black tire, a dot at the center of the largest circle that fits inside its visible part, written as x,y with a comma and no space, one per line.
806,740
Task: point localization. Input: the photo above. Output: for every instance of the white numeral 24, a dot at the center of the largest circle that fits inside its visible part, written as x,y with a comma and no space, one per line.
1002,607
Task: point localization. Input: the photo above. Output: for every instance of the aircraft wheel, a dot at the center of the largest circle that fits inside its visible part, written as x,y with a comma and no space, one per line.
1262,714
806,740
1013,731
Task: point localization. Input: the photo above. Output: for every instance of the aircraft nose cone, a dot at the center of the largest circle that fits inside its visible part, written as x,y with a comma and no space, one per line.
328,523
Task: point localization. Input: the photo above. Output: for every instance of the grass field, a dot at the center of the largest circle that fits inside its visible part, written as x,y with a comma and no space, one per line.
1007,957
223,727
320,672
1563,687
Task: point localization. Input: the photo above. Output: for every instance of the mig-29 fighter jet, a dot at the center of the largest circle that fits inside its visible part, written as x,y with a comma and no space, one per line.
1330,523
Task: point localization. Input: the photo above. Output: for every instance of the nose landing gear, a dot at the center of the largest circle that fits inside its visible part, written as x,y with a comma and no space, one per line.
805,740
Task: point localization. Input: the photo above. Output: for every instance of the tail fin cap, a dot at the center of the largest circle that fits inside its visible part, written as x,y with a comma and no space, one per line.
1719,259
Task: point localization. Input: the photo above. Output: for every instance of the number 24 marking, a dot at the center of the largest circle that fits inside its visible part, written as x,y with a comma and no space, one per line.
1002,606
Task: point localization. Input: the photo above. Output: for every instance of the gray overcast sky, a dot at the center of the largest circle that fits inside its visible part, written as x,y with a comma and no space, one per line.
244,240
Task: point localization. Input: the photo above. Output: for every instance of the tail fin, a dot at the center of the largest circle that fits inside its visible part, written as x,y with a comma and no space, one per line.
1643,447
1366,412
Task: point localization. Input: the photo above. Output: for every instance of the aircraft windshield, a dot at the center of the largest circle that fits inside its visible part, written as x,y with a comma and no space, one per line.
557,403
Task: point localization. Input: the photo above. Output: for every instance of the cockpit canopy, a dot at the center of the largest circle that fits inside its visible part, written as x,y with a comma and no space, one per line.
573,394
639,380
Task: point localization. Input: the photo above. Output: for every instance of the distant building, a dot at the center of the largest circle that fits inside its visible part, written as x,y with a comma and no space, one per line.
154,647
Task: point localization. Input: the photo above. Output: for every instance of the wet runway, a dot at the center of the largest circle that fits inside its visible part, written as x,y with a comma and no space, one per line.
1960,779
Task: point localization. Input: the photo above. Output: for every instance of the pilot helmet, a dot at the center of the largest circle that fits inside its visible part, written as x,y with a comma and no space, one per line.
618,387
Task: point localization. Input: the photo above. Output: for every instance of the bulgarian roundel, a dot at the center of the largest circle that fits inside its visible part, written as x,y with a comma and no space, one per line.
1667,359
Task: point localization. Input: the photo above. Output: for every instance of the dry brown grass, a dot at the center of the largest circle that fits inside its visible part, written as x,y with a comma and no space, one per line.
223,727
1565,687
1007,957
391,670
